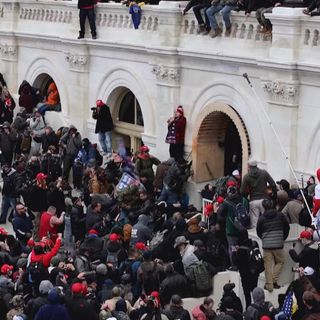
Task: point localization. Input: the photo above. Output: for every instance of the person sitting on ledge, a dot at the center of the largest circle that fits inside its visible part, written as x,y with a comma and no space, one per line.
51,102
315,4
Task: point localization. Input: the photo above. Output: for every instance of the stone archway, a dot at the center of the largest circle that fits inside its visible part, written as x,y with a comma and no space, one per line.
218,130
42,82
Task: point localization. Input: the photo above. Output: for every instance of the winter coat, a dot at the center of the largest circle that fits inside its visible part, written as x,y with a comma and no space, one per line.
273,228
72,144
7,142
37,125
176,312
104,119
38,199
78,221
174,283
143,167
92,218
161,171
22,224
12,184
308,257
255,183
86,154
188,257
292,210
194,233
115,248
47,140
175,177
80,309
140,231
52,95
34,305
176,130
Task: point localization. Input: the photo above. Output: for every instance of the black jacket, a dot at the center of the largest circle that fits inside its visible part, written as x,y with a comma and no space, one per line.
78,221
79,308
308,257
86,3
12,184
174,283
104,119
175,312
47,140
273,228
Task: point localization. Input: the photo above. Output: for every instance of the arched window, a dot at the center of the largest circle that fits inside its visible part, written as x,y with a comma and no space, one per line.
128,119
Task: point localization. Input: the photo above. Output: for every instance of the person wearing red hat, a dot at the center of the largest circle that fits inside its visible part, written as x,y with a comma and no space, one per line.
176,133
78,306
316,198
144,165
6,283
309,255
104,125
49,223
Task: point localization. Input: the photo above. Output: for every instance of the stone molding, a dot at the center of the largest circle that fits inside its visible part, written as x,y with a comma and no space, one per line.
282,92
8,52
77,62
166,74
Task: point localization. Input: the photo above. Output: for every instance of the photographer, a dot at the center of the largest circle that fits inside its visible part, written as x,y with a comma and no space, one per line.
309,255
104,125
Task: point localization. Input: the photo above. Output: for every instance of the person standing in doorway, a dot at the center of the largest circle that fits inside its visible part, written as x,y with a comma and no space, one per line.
176,132
104,125
87,8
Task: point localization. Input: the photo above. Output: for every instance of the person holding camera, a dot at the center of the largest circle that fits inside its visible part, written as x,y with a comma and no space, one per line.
104,125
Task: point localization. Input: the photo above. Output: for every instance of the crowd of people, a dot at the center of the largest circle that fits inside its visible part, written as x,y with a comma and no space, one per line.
121,241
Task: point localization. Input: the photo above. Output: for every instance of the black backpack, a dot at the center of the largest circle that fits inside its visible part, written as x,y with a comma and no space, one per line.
241,214
256,259
37,271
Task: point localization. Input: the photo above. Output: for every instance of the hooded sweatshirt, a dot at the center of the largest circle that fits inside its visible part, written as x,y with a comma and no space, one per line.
140,231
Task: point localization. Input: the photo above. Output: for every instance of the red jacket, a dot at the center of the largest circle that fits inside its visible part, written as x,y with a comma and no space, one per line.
45,258
180,128
316,198
45,227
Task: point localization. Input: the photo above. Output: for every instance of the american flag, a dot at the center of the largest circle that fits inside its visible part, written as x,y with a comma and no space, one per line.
287,305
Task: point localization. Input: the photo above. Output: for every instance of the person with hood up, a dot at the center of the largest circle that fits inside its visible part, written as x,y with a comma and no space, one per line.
78,306
176,133
140,231
27,98
144,164
104,126
52,101
260,307
55,309
33,305
8,139
273,228
78,219
255,184
71,142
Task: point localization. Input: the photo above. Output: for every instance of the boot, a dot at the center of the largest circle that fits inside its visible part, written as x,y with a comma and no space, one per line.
216,32
228,32
81,35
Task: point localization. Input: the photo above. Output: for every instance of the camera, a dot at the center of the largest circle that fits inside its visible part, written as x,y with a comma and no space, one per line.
94,109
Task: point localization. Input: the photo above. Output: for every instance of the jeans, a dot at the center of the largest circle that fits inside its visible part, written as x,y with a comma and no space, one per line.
168,196
83,14
225,11
261,18
197,12
67,234
7,203
105,141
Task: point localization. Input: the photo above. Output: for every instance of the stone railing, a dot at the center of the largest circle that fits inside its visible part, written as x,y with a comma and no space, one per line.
246,28
294,34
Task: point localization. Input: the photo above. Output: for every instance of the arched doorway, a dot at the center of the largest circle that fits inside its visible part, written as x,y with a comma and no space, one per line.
128,118
42,83
220,143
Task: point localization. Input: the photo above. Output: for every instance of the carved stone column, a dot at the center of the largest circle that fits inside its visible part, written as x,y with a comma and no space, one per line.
9,57
283,100
78,87
168,82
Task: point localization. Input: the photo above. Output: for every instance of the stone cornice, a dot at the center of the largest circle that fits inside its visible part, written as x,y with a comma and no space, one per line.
8,52
77,62
167,74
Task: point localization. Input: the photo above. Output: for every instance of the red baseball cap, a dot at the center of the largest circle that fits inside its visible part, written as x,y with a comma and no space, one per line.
3,232
30,243
141,246
114,237
231,183
93,231
220,199
305,234
5,268
78,288
41,176
144,149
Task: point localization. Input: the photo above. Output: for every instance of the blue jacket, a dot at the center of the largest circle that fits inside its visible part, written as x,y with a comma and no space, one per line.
86,154
21,226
